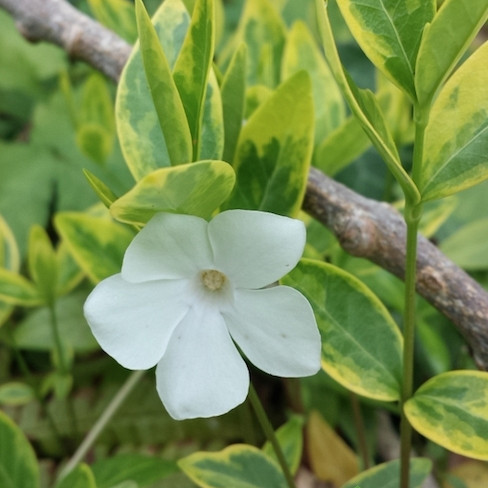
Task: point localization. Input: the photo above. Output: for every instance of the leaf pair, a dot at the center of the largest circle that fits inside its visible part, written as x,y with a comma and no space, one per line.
53,273
168,89
403,41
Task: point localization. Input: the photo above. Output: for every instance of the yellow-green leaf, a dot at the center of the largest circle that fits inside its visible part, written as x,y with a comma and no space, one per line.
140,135
97,243
301,52
43,266
192,69
9,259
361,344
468,246
365,107
237,466
389,32
341,147
263,31
9,252
445,41
451,409
233,98
106,195
15,393
80,477
274,150
17,290
195,189
331,459
117,15
290,438
18,463
69,273
455,153
166,98
387,475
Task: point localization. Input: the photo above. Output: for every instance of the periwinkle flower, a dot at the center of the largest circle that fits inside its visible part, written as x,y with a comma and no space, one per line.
190,290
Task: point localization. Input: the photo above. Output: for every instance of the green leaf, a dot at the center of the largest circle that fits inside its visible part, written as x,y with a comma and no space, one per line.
361,344
389,32
290,438
15,393
451,409
18,463
239,466
301,52
17,290
195,189
263,31
341,147
364,106
141,469
140,135
96,104
117,15
212,133
43,266
9,259
95,131
80,477
192,69
106,195
95,142
9,252
468,246
233,98
35,331
387,475
456,138
166,98
97,243
445,41
274,151
69,273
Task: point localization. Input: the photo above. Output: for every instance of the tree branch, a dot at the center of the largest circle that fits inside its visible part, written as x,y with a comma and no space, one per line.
364,227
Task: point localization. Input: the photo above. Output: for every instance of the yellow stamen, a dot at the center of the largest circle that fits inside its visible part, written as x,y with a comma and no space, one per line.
213,280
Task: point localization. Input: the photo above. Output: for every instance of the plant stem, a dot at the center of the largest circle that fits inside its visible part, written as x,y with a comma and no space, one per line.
360,430
270,434
412,218
102,422
413,213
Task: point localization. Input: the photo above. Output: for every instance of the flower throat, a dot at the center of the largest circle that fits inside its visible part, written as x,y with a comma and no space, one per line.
212,279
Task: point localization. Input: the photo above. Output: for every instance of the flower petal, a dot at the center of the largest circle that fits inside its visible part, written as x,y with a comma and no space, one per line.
255,248
201,374
133,322
169,246
276,330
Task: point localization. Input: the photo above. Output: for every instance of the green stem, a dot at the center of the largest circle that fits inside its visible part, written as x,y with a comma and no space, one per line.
102,422
360,430
270,434
413,213
412,218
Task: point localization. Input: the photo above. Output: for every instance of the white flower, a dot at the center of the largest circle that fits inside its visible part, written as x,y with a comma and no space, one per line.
189,289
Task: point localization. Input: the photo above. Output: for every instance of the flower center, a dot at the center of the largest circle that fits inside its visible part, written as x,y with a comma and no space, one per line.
212,279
